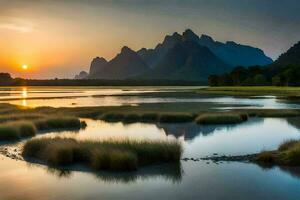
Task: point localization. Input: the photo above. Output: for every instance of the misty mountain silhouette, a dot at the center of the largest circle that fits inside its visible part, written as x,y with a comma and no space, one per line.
81,75
97,65
125,65
178,57
291,57
189,61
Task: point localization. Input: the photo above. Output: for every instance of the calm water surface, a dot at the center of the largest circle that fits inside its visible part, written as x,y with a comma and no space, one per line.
116,96
192,180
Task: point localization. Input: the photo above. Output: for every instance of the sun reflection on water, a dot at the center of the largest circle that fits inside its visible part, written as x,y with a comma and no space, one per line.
24,96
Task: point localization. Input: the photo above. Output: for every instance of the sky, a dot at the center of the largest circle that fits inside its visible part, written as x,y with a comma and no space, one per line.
59,38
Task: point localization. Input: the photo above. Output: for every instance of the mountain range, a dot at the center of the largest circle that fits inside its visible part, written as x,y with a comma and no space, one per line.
183,56
285,71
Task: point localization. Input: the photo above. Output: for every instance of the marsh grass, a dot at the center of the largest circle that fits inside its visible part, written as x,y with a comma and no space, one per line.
51,118
274,113
123,155
288,153
8,133
20,125
252,90
287,145
162,117
17,130
222,118
58,122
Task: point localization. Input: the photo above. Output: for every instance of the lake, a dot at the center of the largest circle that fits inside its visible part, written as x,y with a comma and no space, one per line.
191,180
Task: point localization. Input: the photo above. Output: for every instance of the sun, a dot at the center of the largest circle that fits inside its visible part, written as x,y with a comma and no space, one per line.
24,67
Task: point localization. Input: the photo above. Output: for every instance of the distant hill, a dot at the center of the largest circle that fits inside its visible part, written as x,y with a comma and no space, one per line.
5,79
183,56
285,71
82,75
125,65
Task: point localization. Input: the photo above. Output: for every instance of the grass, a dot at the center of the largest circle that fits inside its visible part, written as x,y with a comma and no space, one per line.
288,153
252,90
222,118
273,113
17,130
129,117
124,155
18,126
58,122
48,118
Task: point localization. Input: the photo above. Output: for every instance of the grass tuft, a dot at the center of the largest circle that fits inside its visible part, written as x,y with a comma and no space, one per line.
58,122
265,157
17,130
288,153
113,155
8,133
287,145
221,118
129,117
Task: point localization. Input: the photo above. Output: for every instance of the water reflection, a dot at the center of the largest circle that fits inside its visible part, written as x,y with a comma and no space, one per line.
291,170
169,172
191,130
24,96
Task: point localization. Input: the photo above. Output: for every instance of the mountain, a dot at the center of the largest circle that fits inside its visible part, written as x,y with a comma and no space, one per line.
285,71
291,57
236,54
97,65
125,65
183,56
187,60
153,56
81,75
231,53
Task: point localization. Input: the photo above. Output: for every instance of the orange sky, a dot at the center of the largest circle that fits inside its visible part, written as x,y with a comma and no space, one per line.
58,38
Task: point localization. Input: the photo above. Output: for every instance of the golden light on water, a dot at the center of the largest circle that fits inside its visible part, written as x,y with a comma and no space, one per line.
24,96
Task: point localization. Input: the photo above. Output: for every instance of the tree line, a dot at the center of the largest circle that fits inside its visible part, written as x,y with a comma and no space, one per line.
259,76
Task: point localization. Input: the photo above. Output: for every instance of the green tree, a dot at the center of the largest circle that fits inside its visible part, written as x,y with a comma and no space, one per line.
276,81
259,79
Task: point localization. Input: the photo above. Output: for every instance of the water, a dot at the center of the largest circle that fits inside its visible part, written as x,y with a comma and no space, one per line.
227,180
116,96
192,180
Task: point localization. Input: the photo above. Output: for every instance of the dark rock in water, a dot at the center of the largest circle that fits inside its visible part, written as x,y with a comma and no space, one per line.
248,157
185,159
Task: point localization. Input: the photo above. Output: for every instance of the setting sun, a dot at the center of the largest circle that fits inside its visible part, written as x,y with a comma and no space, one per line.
25,67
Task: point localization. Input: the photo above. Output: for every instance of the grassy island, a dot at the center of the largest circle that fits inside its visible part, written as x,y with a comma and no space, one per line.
19,126
288,153
124,155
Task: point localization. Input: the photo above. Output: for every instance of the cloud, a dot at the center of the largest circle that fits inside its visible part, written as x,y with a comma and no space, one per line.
16,27
16,24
